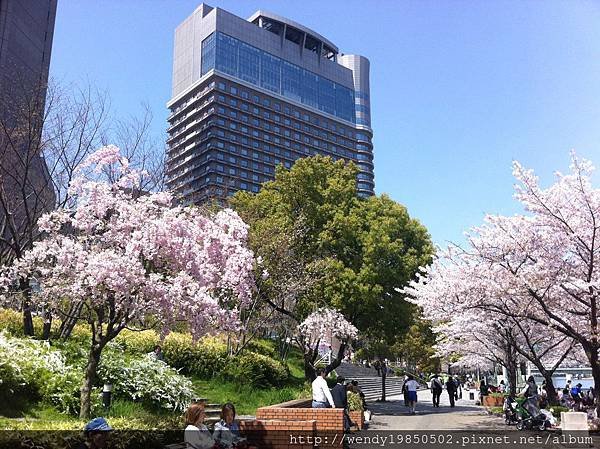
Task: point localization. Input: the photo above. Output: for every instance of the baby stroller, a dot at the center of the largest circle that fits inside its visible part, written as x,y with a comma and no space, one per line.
529,415
510,411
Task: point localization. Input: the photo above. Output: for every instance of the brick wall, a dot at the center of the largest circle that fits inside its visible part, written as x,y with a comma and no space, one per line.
328,423
300,410
358,417
279,434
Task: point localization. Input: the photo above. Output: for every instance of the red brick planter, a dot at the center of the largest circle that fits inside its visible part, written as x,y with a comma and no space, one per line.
358,417
291,418
492,401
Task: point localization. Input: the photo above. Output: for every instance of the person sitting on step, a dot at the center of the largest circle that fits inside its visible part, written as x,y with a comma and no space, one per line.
227,430
196,434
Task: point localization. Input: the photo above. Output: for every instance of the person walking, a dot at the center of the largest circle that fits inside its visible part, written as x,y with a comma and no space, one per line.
356,388
405,391
320,391
577,395
459,389
412,386
377,365
436,390
451,389
484,390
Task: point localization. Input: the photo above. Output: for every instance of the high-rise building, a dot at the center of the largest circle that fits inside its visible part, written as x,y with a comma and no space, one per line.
26,33
249,95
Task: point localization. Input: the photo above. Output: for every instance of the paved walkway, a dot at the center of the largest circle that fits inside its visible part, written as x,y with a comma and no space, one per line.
393,415
466,420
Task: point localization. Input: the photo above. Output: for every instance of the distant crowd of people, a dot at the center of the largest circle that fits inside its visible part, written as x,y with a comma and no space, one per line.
572,396
452,385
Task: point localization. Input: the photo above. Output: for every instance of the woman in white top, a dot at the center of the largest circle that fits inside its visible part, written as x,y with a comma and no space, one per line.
411,387
196,434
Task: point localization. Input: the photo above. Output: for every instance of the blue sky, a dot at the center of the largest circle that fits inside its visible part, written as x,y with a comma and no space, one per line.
459,88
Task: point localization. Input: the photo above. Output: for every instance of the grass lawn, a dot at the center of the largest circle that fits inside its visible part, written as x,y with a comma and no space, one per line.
247,399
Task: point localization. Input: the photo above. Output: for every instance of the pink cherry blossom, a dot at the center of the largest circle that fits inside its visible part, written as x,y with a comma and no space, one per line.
539,270
140,255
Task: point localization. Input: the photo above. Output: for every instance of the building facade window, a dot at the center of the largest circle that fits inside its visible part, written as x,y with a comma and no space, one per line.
208,54
248,63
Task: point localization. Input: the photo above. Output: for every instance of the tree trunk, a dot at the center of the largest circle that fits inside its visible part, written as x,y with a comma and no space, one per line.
25,289
310,373
595,364
27,320
67,325
550,390
338,360
47,325
511,371
89,379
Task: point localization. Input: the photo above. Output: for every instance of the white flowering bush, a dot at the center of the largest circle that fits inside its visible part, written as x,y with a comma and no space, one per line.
32,369
147,380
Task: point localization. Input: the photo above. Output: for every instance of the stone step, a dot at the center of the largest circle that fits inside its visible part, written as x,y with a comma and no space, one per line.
371,386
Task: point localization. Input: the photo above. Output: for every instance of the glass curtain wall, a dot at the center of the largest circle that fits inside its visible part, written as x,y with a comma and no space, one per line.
238,59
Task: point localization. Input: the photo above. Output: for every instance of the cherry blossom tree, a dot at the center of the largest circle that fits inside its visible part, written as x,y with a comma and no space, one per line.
479,336
322,324
130,260
538,268
471,340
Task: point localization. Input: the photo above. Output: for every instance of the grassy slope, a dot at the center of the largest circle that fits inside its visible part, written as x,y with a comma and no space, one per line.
127,414
248,399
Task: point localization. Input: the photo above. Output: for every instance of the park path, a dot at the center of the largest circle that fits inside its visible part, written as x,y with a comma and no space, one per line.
393,415
464,420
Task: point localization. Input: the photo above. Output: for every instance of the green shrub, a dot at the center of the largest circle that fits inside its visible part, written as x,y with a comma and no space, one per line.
354,402
64,391
264,347
81,332
556,409
361,354
138,342
76,352
206,358
32,369
498,395
256,370
11,321
146,380
496,410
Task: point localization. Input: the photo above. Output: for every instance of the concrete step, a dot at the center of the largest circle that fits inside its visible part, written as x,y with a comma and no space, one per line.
371,386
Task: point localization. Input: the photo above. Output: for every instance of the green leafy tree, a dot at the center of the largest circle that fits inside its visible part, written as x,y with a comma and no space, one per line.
416,350
321,245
